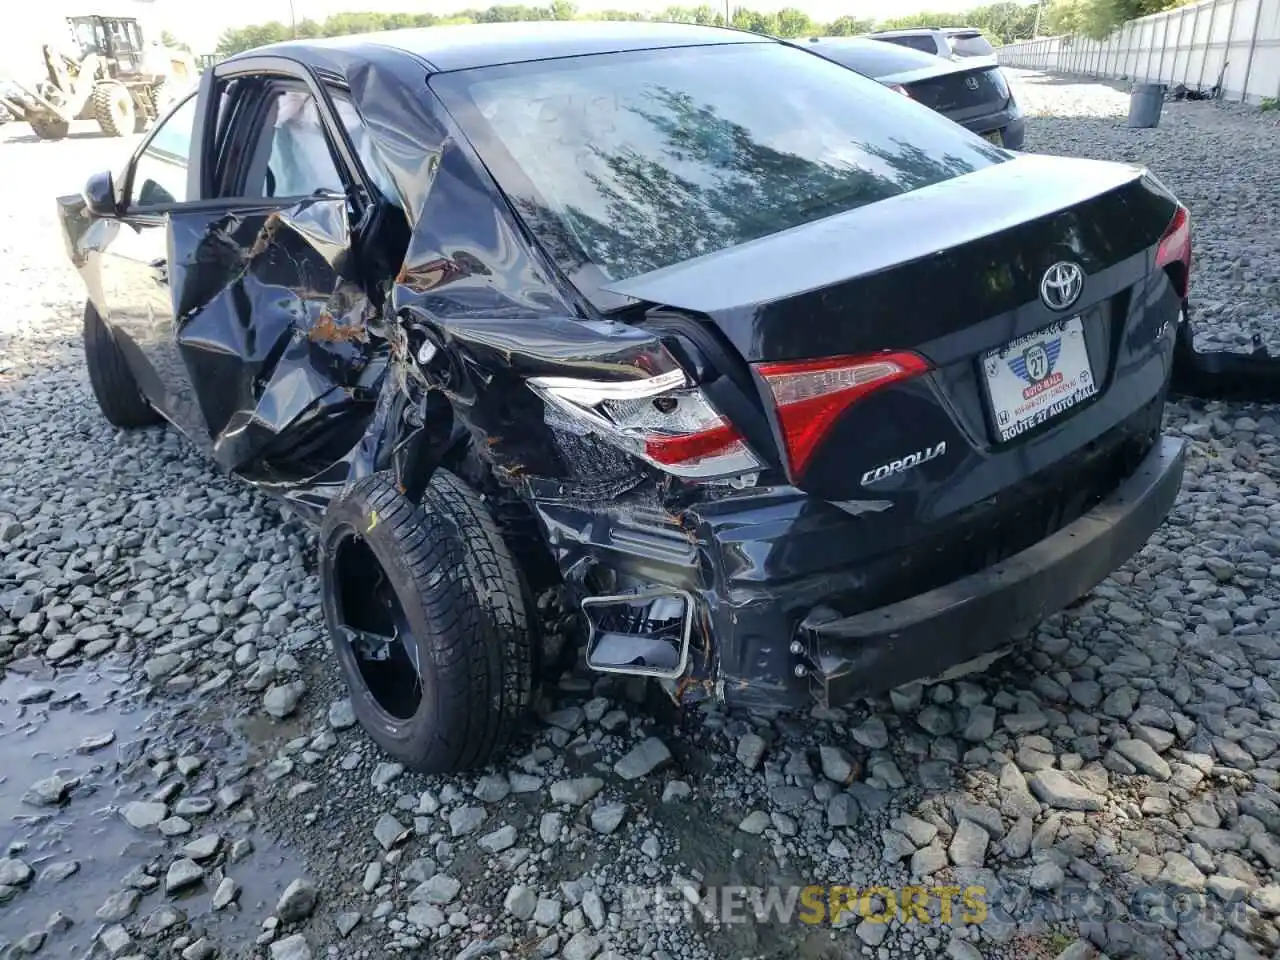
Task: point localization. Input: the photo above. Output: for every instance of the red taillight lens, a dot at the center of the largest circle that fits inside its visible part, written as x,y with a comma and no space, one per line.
811,394
1175,250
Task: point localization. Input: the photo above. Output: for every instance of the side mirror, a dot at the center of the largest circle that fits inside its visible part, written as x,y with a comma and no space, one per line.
100,195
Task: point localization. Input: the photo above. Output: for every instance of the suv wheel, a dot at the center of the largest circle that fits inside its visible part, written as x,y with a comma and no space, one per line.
428,621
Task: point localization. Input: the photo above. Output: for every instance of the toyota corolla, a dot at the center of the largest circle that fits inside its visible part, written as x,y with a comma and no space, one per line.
797,389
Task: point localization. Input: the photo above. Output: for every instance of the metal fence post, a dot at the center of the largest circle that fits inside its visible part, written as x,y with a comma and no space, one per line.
1177,46
1164,44
1208,45
1253,45
1195,25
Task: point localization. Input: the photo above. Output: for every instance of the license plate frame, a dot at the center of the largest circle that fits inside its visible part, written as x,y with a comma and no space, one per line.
1037,378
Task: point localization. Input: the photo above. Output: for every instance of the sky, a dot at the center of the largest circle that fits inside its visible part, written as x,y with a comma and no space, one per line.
201,23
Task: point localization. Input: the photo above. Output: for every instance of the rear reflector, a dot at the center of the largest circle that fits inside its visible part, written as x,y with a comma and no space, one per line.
811,394
1175,250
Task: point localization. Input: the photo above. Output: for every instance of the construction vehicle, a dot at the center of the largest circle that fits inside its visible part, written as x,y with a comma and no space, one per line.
103,70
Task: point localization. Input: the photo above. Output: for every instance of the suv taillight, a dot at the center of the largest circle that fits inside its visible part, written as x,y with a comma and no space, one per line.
1175,250
811,394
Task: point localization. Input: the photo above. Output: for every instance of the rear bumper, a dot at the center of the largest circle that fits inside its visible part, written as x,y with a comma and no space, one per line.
1010,124
922,636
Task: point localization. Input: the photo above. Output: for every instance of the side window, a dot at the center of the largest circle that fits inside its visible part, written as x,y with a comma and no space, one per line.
360,139
160,173
925,44
299,162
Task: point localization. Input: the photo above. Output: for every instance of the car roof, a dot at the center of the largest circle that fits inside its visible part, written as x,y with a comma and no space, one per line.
464,46
904,32
875,58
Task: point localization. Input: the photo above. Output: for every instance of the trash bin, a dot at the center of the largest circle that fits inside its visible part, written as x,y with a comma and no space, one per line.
1145,104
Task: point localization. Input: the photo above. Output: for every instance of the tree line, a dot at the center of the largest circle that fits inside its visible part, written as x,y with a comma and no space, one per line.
1002,22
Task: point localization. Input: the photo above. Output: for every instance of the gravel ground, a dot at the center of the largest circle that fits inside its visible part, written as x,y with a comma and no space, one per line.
179,776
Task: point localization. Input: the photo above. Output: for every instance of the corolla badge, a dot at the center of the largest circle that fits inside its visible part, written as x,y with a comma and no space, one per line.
1061,285
909,462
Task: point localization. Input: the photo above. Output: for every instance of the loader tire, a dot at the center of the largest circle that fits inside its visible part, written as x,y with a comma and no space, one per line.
427,615
114,387
113,109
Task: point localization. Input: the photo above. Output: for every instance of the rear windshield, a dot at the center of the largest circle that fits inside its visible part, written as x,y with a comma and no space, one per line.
624,163
916,41
971,45
873,59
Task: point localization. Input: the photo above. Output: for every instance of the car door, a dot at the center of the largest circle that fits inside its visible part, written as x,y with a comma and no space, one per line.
127,262
272,317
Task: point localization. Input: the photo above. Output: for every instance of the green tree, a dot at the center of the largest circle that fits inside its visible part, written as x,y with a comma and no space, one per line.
848,27
1098,19
172,42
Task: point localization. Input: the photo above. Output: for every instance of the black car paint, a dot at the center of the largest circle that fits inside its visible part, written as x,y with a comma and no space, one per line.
933,81
304,353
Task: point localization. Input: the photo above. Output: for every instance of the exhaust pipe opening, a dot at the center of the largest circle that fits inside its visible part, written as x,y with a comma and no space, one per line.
640,634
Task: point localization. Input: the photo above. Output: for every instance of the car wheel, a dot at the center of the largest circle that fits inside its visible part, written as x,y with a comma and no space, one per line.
114,387
427,616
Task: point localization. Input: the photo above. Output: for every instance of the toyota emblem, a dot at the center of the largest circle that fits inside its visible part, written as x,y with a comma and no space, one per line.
1061,285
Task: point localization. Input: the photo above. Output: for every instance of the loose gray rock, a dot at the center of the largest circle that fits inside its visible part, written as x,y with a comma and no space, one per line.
644,758
576,792
1058,790
390,832
282,700
226,894
294,947
298,901
49,792
183,873
969,845
466,820
520,902
751,750
607,817
144,816
342,716
119,906
16,873
440,890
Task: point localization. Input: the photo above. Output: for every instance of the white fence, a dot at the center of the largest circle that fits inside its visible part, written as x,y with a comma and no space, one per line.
1231,44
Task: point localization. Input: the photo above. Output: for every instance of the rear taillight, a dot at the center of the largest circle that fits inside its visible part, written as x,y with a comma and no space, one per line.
1175,250
899,88
811,394
663,420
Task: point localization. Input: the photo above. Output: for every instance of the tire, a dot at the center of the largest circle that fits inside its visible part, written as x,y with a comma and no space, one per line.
114,387
440,579
113,109
50,129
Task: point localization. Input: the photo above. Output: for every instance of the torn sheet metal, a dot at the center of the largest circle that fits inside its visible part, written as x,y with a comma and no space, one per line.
275,337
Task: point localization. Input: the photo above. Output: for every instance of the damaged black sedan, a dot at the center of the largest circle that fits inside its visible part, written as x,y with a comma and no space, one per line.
795,388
